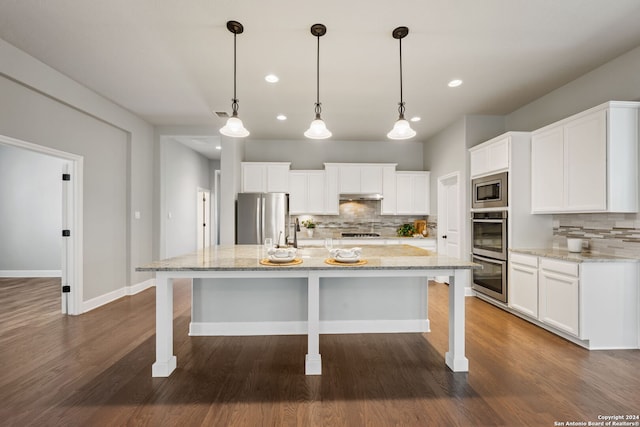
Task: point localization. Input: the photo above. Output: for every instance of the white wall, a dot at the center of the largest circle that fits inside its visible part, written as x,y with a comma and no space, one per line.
41,106
30,211
183,172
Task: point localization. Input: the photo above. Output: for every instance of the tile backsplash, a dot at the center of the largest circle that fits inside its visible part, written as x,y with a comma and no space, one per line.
617,234
362,216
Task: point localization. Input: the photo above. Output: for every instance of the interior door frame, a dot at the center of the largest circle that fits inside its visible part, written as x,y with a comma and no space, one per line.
203,212
72,219
441,245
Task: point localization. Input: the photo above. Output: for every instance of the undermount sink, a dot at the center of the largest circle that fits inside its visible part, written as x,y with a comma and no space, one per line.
361,235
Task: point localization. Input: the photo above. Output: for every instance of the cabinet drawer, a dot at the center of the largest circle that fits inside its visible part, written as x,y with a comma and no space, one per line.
530,260
562,267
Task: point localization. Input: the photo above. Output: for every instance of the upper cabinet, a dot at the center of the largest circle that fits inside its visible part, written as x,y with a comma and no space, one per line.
587,162
265,177
412,193
360,178
307,192
490,157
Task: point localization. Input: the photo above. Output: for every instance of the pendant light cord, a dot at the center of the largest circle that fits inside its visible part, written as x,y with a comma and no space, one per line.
318,109
234,101
401,104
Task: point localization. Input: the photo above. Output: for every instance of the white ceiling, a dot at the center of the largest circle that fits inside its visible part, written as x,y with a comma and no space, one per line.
170,62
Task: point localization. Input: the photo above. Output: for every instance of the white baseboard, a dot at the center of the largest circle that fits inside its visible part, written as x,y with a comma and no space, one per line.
94,303
30,273
300,327
139,287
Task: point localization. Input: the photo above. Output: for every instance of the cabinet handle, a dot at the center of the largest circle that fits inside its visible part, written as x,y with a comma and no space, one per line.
444,237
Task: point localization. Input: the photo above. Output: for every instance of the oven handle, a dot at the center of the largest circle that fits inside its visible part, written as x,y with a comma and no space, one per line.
490,260
489,221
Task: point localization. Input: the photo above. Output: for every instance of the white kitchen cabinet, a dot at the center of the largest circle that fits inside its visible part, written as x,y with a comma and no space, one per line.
489,157
559,302
331,194
388,203
307,192
265,177
523,280
594,304
587,162
360,178
412,193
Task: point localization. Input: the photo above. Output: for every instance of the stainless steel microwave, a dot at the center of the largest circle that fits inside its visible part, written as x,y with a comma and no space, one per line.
490,191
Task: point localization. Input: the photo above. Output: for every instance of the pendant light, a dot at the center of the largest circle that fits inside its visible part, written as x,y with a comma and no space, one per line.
234,126
318,129
401,128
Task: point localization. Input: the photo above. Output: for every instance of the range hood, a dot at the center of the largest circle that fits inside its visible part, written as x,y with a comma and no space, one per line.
360,196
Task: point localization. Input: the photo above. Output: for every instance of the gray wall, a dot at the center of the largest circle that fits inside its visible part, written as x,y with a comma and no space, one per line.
617,80
308,154
30,210
41,106
183,172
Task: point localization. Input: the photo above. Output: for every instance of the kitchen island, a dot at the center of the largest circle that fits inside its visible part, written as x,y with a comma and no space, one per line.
244,262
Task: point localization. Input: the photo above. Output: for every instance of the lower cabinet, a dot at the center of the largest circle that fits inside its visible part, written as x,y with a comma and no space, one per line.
559,295
594,304
523,277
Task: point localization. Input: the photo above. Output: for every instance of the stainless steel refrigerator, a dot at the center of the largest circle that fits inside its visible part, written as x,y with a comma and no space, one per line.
262,215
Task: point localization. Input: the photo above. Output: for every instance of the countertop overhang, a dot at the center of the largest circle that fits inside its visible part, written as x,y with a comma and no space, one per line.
247,258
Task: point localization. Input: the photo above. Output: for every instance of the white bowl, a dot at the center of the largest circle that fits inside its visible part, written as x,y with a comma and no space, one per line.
282,253
344,254
574,245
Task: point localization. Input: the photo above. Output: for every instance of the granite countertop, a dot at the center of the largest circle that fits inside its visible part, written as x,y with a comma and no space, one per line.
247,258
564,254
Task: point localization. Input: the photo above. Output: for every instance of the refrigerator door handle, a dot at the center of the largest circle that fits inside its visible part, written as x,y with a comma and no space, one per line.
258,225
263,218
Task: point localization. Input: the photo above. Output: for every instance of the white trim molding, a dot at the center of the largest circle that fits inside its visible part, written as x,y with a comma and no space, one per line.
109,297
30,273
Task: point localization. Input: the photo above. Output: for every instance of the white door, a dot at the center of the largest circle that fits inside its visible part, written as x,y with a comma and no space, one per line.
449,223
204,217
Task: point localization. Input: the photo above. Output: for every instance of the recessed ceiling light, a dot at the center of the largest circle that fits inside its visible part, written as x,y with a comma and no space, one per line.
218,147
271,78
415,119
281,117
455,83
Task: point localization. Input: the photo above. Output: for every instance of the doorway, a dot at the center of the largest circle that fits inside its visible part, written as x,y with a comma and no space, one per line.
449,224
71,175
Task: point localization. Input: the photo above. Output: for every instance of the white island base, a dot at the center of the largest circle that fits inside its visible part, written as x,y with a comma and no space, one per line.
314,286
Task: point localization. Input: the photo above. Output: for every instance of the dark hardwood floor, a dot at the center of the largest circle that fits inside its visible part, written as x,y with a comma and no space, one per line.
95,370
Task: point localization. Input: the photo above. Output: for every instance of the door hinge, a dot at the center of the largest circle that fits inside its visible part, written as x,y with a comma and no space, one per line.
66,233
66,177
66,289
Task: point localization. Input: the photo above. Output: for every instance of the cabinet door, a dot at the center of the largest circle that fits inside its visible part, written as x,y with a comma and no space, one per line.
478,161
349,179
523,289
498,155
421,191
547,171
277,178
585,142
331,199
559,301
404,194
315,192
388,204
254,178
371,179
298,191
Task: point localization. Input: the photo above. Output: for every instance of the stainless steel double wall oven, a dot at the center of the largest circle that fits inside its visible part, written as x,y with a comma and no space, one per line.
489,235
